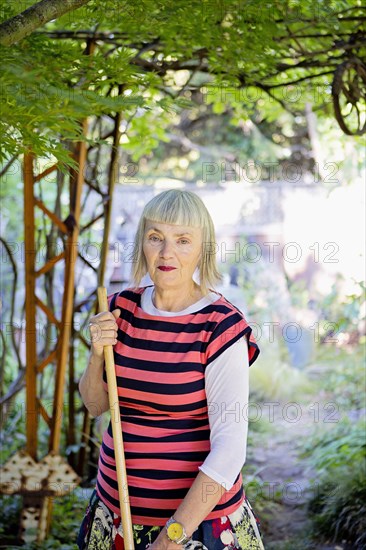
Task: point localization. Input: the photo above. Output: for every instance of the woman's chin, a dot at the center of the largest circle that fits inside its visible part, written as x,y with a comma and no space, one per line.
165,277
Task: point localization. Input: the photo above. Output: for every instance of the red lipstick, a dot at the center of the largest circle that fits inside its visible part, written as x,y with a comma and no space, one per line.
166,268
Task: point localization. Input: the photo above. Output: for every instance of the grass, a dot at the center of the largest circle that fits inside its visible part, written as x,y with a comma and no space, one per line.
337,451
338,508
272,377
344,375
301,542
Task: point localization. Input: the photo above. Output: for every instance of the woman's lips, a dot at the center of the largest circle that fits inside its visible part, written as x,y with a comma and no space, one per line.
165,268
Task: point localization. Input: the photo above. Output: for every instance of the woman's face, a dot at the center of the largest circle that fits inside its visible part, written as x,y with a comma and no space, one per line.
172,253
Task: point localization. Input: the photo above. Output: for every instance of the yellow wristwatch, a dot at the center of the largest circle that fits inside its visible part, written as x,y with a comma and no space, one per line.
176,532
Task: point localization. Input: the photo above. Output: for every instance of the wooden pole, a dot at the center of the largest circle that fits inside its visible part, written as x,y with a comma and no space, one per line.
117,434
112,178
76,184
30,308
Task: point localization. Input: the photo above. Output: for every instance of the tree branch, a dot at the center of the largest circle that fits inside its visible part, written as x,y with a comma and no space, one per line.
293,82
8,165
18,27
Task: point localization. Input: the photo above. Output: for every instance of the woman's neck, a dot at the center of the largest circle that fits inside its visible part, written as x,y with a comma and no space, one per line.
176,299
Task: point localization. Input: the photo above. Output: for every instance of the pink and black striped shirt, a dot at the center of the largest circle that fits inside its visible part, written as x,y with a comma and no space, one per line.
160,368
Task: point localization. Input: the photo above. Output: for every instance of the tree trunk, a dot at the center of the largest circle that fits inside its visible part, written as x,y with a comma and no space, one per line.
25,23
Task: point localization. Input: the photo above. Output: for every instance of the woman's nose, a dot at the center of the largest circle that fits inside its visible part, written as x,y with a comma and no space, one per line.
166,250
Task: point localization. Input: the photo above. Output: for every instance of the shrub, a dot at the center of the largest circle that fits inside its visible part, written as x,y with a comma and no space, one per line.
338,508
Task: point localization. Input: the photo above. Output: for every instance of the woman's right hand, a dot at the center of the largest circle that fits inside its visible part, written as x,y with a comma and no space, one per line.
103,331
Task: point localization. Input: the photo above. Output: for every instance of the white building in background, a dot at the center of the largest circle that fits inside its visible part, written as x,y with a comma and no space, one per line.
265,234
300,229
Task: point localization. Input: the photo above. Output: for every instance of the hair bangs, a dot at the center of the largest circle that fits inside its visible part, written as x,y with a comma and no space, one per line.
174,208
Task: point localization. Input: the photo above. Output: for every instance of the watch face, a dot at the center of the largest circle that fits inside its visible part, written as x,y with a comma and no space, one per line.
175,531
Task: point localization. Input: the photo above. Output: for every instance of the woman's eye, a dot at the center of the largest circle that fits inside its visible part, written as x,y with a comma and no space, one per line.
154,238
184,241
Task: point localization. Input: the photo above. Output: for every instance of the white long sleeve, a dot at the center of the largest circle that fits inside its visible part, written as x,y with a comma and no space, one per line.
227,390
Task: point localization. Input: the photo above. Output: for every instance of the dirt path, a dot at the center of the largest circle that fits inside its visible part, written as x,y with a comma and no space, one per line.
288,481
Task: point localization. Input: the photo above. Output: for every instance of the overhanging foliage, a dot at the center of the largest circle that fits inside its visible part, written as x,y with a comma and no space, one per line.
143,56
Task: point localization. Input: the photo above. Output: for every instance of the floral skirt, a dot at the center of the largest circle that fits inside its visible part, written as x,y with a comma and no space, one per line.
101,529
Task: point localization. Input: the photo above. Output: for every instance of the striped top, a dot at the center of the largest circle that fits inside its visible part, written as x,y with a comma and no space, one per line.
160,369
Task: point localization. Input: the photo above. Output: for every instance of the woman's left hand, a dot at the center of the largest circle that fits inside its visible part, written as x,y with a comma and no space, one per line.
163,543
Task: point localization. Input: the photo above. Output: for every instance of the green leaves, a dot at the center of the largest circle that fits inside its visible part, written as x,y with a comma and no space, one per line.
338,507
274,55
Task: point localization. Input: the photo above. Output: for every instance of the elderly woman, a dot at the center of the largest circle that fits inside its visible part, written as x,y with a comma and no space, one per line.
182,353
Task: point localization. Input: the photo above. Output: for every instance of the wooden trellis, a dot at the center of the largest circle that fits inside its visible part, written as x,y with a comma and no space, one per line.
22,473
39,479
